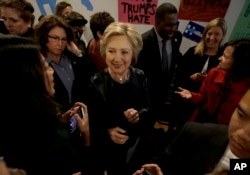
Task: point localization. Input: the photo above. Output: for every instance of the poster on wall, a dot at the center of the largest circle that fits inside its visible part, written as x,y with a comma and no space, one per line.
202,10
193,31
242,25
137,11
52,4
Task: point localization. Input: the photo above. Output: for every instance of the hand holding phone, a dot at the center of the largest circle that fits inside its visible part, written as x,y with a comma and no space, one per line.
73,122
147,172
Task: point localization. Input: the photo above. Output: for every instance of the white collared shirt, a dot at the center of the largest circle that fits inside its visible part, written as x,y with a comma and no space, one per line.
224,163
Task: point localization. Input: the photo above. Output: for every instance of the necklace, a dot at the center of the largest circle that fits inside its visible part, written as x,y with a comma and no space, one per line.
120,79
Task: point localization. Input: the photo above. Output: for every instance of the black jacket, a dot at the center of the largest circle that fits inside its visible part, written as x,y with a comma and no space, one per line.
196,150
149,61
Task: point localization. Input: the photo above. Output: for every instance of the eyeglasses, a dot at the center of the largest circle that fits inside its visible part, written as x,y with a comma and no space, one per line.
58,39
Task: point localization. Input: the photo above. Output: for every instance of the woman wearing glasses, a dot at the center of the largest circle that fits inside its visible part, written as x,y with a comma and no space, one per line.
53,35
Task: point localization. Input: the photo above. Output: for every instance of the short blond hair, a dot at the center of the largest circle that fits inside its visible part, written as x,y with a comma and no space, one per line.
124,29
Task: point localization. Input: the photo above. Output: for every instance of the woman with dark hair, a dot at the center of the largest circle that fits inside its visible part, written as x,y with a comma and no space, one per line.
98,23
34,133
18,17
63,8
77,22
71,73
224,86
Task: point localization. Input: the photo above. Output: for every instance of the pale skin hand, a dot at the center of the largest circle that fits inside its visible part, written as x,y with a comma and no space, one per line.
4,170
72,47
118,136
154,168
132,115
198,77
82,123
184,93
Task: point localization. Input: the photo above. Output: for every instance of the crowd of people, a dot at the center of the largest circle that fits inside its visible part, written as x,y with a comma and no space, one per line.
146,107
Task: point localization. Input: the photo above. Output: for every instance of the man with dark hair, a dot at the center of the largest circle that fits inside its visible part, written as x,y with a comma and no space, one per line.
159,57
98,23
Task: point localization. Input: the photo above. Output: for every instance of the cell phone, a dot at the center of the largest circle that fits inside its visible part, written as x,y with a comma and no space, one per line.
147,172
73,122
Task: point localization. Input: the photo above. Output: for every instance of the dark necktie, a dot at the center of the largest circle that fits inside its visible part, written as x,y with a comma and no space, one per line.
164,56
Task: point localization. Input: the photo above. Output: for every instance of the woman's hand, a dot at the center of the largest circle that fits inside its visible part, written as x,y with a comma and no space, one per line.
153,168
72,47
186,94
118,136
198,77
4,170
82,123
132,115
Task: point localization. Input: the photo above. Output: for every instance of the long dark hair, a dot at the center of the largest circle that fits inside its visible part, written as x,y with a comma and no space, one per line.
241,56
23,88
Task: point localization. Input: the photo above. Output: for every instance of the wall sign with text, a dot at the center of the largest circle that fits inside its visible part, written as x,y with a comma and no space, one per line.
137,11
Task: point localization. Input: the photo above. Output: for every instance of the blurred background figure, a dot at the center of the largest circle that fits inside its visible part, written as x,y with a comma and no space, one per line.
63,8
77,22
98,23
40,17
18,17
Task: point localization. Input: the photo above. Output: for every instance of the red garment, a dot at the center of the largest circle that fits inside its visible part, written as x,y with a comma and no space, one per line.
95,56
212,92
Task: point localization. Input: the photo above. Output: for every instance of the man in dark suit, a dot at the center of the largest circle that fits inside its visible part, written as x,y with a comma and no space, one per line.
151,57
201,148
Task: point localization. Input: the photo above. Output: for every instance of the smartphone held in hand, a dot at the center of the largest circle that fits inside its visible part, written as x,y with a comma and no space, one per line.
73,122
147,172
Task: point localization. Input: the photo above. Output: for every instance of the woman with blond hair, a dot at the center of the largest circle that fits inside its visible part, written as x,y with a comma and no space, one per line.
119,107
198,60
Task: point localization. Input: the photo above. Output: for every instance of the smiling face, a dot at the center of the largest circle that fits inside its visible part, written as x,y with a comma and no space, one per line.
167,26
227,60
214,37
118,54
13,22
239,128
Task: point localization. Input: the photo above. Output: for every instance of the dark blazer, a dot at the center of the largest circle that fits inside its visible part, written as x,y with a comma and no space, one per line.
149,61
82,75
196,150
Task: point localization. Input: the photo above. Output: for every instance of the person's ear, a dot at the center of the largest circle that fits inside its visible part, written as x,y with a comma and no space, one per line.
99,34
